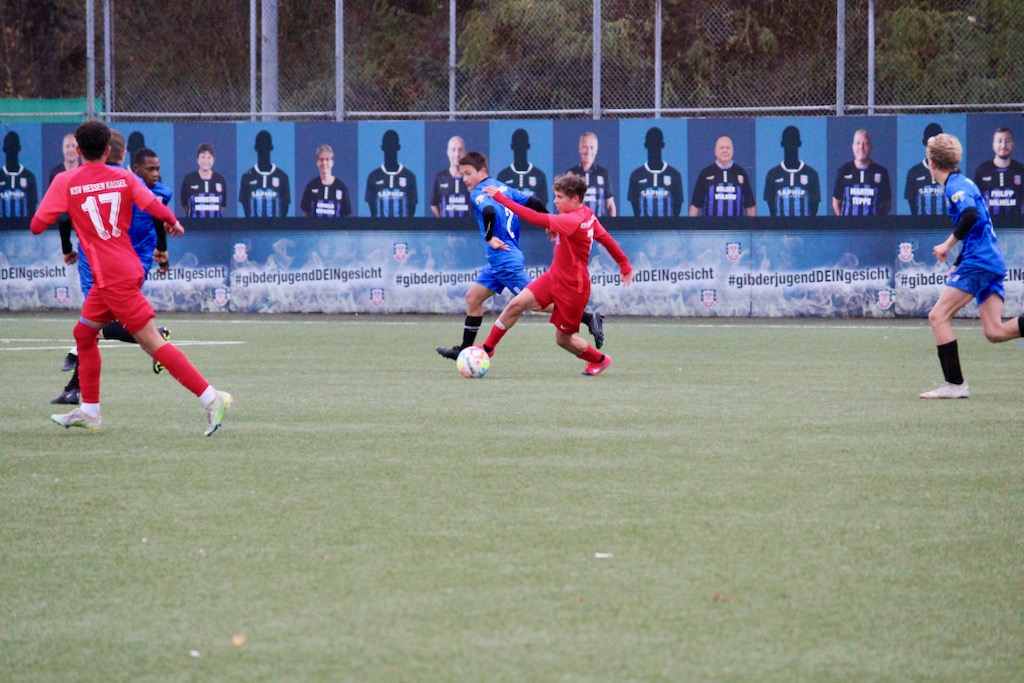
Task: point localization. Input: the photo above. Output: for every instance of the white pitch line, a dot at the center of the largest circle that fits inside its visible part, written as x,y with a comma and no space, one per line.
119,345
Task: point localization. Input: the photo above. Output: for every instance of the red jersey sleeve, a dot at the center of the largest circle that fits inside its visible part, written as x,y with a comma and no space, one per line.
564,224
54,203
609,243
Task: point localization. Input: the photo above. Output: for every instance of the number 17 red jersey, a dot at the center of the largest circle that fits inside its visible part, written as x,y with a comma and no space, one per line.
99,200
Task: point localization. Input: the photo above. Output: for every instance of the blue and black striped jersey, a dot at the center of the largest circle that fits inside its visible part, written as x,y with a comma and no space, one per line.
532,181
18,193
391,194
862,191
722,191
792,191
1001,187
265,194
655,192
450,195
204,198
924,195
326,201
599,188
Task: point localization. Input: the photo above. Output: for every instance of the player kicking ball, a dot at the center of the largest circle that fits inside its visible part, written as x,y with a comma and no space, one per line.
566,284
978,272
505,261
99,200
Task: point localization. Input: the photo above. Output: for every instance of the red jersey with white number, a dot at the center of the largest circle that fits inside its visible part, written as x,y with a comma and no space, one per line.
99,200
577,231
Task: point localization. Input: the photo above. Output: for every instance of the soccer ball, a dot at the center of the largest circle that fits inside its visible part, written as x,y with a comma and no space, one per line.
473,362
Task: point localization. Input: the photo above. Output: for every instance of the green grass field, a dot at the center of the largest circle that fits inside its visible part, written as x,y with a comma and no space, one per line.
731,500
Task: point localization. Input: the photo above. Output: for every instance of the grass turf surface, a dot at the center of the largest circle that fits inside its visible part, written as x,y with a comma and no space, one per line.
776,502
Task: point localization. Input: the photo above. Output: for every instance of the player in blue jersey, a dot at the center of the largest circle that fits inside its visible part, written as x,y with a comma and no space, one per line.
391,188
265,191
655,189
723,188
600,193
204,192
978,272
505,268
792,188
18,191
450,198
924,195
862,186
1001,178
149,240
521,174
325,196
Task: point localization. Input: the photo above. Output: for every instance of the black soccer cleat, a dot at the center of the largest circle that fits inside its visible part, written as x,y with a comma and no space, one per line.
165,332
70,362
452,353
596,328
67,397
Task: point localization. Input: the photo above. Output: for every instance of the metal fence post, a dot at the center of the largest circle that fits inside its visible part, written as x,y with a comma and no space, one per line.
90,59
451,60
840,57
108,60
339,60
252,60
657,59
597,60
871,57
268,79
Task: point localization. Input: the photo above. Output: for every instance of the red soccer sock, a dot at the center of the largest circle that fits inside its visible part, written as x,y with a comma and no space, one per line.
493,338
90,363
181,368
592,355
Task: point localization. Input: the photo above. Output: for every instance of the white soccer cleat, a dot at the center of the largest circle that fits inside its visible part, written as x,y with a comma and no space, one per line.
947,390
77,418
215,412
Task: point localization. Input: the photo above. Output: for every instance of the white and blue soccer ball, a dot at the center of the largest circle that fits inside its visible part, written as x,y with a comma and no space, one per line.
473,362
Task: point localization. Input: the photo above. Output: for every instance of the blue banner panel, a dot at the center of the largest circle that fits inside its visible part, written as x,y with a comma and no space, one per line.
733,268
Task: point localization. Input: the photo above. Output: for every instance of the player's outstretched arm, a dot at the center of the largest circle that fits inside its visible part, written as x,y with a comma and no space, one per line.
539,219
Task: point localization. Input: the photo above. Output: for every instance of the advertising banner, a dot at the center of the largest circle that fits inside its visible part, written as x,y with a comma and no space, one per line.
872,272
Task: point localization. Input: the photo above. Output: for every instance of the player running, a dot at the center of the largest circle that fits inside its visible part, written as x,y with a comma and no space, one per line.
566,284
99,199
505,261
149,241
978,272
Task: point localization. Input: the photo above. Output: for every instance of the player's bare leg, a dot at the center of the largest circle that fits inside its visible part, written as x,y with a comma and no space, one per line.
992,324
578,346
941,320
521,302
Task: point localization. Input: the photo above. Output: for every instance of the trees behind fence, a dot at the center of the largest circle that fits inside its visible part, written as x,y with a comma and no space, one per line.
523,57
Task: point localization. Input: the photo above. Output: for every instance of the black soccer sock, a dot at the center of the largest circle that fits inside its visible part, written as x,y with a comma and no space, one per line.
473,323
115,330
949,358
587,317
72,384
1020,325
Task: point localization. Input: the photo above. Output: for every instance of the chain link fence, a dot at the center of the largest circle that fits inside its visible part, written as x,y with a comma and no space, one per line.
516,58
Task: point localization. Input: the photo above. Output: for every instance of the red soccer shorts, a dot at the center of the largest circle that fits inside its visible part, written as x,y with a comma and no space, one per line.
569,304
122,301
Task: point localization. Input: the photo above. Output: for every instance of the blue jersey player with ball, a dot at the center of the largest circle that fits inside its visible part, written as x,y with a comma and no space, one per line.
506,268
978,272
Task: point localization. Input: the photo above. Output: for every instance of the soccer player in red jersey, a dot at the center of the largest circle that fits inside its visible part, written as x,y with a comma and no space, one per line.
99,199
566,283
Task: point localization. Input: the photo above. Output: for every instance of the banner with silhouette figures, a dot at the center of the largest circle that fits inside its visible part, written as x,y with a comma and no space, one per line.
874,272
